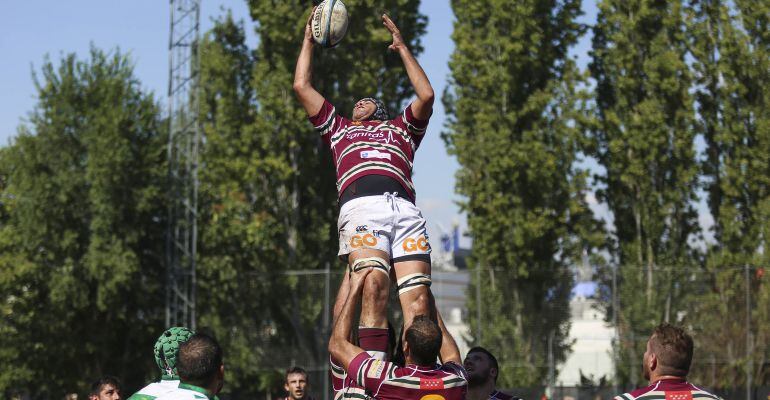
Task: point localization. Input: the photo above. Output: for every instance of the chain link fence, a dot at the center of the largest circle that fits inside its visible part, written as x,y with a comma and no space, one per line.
720,307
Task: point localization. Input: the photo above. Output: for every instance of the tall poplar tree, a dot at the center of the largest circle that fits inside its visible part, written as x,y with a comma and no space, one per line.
643,136
81,240
511,104
732,64
241,235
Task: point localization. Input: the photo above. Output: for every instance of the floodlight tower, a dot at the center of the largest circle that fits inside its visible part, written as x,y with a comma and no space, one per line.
183,141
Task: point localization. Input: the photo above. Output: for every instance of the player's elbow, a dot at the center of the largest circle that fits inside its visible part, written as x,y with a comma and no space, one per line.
334,346
300,86
427,96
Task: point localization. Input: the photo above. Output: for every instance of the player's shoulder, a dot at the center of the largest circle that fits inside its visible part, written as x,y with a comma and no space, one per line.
155,389
702,394
454,368
498,395
654,395
186,392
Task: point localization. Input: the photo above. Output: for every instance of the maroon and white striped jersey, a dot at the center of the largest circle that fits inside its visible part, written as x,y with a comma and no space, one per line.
364,148
669,389
375,342
384,380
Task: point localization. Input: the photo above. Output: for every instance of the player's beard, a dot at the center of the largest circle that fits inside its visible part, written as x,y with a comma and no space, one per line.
478,377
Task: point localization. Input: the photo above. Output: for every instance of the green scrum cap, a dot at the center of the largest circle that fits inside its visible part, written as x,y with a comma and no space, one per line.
167,349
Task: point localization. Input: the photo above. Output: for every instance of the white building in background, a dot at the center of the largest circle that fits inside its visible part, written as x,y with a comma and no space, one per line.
591,337
592,344
449,288
449,273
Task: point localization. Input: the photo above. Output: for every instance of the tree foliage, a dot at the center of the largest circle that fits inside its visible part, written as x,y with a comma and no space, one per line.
82,230
512,104
729,43
643,136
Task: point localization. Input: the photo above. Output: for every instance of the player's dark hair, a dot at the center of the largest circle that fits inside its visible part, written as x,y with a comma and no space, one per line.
424,338
98,384
492,360
199,360
673,347
295,370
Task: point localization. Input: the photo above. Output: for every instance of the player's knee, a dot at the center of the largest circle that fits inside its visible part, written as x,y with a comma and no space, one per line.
421,303
376,290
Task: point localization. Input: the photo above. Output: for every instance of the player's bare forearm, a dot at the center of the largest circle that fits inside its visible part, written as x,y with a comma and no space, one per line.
422,107
340,346
311,100
417,77
449,350
339,302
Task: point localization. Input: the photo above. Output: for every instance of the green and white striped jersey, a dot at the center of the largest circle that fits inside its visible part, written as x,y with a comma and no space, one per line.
155,389
187,392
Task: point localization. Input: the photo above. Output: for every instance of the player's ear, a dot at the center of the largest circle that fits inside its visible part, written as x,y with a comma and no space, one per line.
653,363
493,371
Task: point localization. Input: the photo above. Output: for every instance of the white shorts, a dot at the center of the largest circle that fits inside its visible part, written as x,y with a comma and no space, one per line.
383,222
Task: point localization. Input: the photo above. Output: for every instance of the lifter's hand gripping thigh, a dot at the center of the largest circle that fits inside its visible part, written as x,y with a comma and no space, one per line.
374,303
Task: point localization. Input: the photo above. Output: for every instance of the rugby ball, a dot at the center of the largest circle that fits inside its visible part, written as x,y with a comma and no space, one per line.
329,23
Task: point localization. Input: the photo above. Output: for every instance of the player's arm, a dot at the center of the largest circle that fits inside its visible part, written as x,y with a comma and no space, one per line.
449,350
342,296
309,97
422,107
340,347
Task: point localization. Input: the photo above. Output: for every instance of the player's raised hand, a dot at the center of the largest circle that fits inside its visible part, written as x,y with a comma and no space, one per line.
357,278
398,41
308,29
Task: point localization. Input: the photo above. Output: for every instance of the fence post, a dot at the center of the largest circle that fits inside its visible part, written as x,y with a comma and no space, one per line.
748,333
327,331
616,348
478,304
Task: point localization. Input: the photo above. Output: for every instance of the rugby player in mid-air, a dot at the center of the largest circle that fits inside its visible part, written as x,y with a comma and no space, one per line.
379,224
425,341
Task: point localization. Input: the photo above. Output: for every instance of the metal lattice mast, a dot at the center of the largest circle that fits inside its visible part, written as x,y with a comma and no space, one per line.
183,142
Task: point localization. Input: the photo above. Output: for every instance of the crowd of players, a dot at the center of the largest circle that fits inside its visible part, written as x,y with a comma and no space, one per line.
192,366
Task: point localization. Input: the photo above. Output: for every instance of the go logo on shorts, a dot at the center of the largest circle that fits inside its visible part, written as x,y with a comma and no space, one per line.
367,240
411,244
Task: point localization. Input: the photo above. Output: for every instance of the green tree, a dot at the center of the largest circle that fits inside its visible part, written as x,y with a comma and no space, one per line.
643,136
731,64
82,230
240,250
512,104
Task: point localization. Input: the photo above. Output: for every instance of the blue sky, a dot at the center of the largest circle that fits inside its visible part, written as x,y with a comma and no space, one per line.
31,29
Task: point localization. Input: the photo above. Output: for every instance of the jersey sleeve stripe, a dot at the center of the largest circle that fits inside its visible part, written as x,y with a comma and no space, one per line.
411,127
329,120
652,396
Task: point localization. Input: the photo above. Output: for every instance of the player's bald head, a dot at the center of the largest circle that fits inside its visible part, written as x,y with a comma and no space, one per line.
424,339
